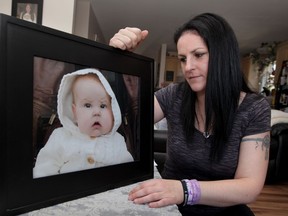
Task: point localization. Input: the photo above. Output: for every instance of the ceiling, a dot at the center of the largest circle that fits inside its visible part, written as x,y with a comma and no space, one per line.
254,21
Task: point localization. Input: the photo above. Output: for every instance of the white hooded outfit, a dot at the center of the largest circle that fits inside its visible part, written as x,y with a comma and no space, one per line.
69,150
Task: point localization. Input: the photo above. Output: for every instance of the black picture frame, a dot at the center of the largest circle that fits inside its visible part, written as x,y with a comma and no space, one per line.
20,43
35,7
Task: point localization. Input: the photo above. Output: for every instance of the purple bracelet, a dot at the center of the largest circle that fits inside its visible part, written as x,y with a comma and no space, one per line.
194,192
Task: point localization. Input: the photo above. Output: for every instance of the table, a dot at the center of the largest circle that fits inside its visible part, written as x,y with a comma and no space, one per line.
110,203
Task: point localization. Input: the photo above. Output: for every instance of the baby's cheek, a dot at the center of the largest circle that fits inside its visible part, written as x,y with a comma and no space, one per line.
110,124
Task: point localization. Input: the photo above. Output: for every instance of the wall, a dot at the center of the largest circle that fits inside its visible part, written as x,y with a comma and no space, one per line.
85,22
5,6
162,58
59,14
77,17
53,14
250,73
94,28
81,22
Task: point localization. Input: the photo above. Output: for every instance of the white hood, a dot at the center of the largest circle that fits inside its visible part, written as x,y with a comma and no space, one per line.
64,101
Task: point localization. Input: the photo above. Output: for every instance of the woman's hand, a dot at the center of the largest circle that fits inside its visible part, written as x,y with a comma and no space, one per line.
158,193
128,38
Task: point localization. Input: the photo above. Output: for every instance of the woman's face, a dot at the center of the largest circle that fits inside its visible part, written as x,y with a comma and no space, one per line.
28,8
194,56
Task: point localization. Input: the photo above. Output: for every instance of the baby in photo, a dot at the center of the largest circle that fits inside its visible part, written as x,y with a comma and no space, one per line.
90,116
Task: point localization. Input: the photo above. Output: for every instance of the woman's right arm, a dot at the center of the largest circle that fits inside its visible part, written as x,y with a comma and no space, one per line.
128,39
158,113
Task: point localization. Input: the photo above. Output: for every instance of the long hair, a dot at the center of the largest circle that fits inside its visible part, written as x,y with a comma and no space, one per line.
224,83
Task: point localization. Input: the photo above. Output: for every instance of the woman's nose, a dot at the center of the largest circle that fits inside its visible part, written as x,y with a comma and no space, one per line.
190,64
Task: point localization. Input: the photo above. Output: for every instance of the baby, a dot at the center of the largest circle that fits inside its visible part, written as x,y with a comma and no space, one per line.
90,115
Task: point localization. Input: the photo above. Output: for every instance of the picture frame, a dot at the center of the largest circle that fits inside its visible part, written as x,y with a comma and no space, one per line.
169,76
29,10
33,56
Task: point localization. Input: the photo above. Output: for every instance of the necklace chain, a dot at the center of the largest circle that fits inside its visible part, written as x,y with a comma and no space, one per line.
206,134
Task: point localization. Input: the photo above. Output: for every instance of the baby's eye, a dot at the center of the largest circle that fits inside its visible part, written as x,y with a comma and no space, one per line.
103,106
87,105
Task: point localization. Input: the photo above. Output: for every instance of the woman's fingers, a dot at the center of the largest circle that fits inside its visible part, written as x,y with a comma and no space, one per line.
157,193
128,38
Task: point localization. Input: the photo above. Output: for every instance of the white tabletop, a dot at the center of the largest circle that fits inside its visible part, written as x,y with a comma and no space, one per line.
110,203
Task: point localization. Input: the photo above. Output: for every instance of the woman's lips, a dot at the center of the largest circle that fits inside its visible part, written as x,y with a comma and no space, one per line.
193,77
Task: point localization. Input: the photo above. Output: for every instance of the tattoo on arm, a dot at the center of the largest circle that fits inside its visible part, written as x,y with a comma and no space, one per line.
264,142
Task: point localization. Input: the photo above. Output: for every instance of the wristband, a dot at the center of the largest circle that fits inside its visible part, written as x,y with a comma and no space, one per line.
185,190
192,192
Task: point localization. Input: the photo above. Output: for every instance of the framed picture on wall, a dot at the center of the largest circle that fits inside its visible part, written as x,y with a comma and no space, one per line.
29,10
169,76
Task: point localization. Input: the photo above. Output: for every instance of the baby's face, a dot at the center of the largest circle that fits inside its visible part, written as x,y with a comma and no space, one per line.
92,107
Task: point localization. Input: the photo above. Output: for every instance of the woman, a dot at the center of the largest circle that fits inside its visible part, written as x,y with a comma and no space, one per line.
28,14
218,130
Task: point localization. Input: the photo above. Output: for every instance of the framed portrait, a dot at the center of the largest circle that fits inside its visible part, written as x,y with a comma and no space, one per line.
40,65
29,10
169,76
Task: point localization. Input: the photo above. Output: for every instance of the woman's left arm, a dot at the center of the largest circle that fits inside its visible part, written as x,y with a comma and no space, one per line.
244,188
249,177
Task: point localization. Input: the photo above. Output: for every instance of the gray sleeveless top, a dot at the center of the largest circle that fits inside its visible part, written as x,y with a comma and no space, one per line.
192,160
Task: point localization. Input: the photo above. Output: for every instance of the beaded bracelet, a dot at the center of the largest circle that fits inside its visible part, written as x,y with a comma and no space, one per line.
192,192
